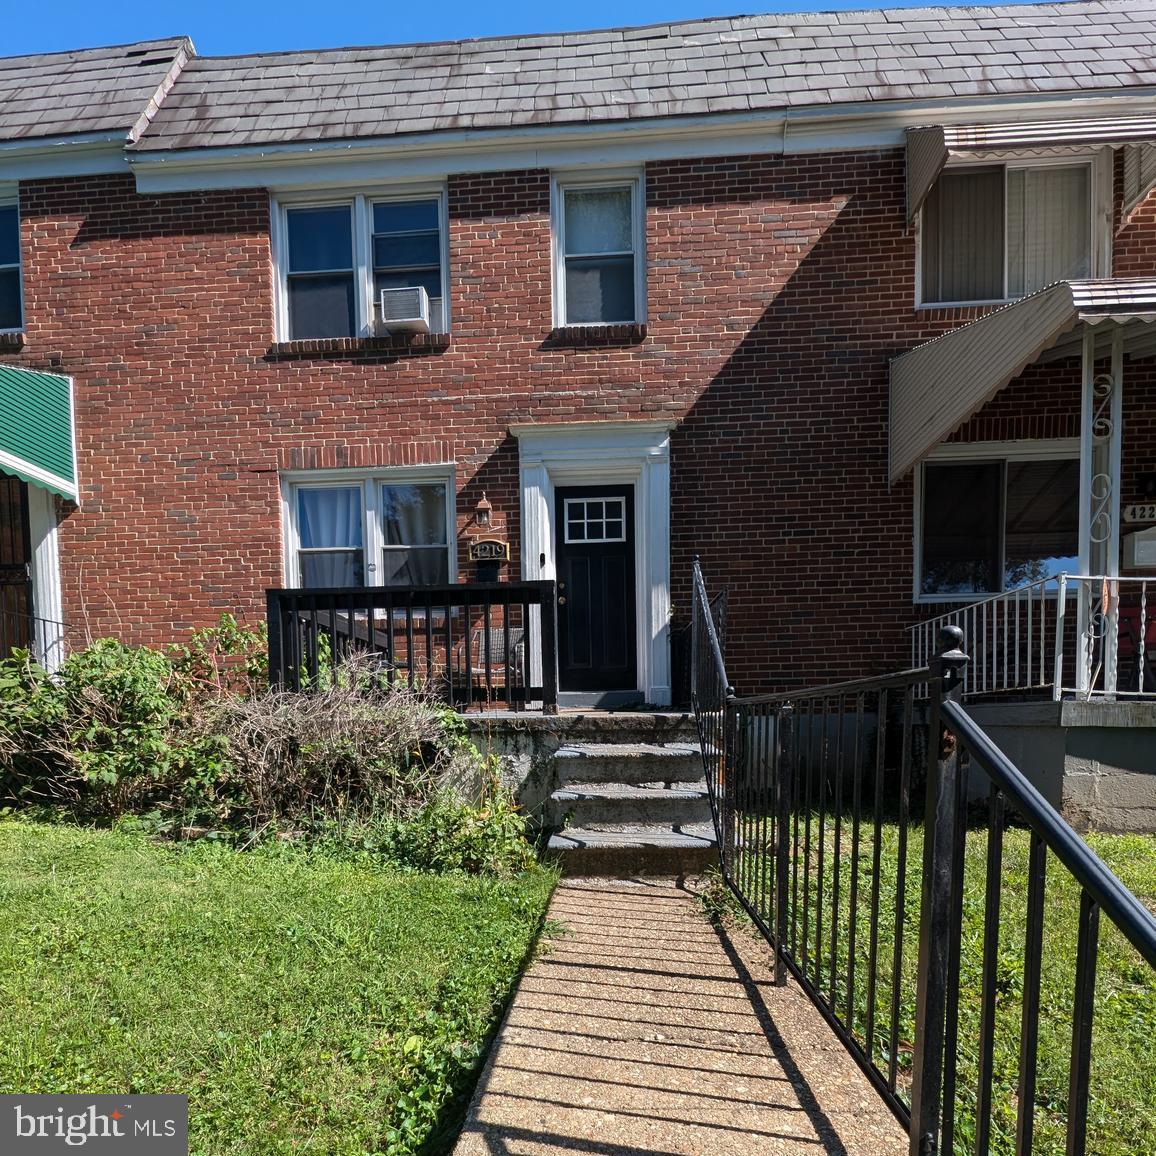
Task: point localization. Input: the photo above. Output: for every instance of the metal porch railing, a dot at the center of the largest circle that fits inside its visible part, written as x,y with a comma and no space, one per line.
1075,635
843,824
479,643
45,639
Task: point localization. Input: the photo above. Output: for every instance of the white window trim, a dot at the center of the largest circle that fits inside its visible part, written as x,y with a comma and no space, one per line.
1044,449
604,179
1100,195
9,197
372,536
362,202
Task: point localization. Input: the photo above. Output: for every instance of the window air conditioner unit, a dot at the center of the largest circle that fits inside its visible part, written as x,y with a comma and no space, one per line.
404,310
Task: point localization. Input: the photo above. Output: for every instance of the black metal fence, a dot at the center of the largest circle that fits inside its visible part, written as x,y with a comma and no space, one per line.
473,643
845,831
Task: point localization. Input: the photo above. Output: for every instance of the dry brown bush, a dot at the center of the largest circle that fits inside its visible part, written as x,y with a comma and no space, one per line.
355,747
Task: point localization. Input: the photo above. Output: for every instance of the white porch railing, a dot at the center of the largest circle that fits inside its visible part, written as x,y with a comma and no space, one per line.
1087,636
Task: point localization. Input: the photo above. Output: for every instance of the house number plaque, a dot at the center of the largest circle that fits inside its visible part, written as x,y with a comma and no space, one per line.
489,550
1140,512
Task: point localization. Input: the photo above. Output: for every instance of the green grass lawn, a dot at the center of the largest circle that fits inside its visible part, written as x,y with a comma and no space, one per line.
1123,1080
304,1005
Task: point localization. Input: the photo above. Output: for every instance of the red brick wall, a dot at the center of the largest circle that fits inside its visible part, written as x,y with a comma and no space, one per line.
777,290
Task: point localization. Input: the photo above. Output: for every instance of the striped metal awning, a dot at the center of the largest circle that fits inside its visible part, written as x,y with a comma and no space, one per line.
37,439
929,147
939,385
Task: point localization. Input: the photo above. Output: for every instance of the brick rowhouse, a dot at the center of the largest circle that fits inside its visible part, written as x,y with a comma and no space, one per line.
777,290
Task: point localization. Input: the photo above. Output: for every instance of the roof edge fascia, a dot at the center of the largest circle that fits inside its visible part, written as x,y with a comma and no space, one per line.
867,125
84,154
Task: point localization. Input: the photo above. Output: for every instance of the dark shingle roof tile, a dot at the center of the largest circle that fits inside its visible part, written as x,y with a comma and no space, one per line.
761,63
97,90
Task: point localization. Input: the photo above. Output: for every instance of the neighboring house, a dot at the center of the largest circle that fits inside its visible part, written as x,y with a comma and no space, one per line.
677,283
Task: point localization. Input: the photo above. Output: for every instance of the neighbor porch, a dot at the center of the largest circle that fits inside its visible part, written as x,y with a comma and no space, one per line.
37,467
1071,609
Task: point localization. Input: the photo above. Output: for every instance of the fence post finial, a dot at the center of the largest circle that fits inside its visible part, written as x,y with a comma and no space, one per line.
950,656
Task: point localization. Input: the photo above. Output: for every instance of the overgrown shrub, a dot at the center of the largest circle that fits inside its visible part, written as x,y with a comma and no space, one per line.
104,733
224,659
482,835
349,749
192,738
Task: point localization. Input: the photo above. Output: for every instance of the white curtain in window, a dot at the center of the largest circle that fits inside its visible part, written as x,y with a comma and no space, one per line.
1048,227
329,518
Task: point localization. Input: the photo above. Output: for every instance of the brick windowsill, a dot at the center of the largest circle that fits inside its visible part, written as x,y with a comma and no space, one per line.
581,336
11,342
417,345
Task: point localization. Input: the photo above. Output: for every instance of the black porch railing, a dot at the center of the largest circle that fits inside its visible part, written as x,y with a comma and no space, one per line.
843,823
17,630
473,643
45,639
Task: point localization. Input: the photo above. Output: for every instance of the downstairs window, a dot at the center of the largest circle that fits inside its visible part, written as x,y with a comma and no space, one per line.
992,525
373,530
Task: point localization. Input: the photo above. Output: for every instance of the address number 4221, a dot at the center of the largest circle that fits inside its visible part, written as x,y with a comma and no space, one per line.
1141,512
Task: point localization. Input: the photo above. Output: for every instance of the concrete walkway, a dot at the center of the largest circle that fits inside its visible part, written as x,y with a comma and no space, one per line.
641,1029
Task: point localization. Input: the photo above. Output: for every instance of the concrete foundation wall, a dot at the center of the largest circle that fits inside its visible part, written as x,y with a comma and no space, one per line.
1094,761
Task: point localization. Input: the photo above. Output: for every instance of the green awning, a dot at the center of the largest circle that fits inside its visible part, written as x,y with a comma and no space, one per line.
36,429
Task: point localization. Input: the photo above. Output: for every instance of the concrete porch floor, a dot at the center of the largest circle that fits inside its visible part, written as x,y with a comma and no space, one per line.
643,1030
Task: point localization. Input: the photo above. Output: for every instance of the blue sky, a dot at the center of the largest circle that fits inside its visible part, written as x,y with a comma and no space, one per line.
221,27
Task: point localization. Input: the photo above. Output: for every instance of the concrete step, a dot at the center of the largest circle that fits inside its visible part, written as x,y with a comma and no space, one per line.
622,850
593,804
677,762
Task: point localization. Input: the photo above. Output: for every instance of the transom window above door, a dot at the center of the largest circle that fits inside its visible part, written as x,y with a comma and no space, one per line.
376,530
599,263
996,232
335,258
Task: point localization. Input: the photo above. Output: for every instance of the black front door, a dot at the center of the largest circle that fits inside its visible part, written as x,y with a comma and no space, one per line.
15,566
594,544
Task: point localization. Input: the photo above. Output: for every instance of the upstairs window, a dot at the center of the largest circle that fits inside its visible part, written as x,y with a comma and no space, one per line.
993,525
321,278
407,252
11,309
996,232
336,257
598,259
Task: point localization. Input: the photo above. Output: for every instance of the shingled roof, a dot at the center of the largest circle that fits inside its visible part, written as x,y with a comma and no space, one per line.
98,90
707,66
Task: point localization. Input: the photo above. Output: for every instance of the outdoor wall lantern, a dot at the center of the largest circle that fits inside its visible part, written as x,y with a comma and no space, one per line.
483,511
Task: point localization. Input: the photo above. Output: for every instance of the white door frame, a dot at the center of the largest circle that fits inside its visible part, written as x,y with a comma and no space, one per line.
603,453
47,600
